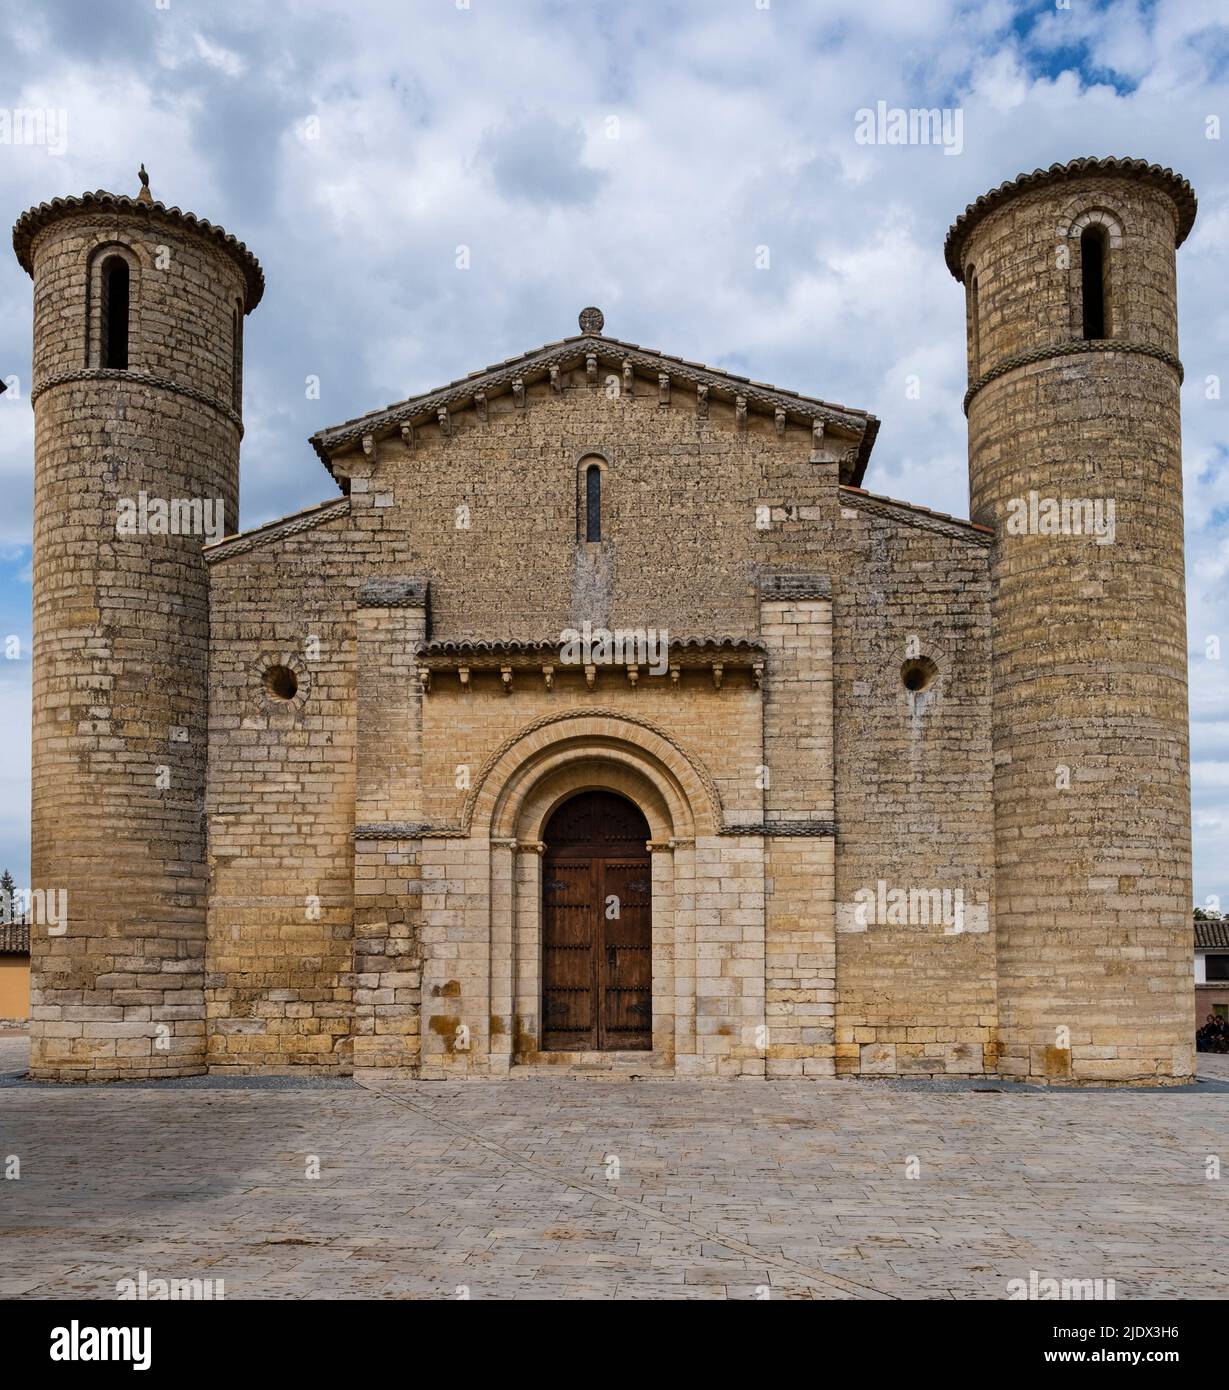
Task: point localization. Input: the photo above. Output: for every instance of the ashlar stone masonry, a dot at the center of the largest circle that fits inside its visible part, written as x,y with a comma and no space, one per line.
910,794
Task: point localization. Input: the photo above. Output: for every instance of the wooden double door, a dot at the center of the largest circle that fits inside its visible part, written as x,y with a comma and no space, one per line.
597,932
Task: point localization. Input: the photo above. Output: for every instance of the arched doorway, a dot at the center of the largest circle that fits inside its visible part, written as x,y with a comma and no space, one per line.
597,939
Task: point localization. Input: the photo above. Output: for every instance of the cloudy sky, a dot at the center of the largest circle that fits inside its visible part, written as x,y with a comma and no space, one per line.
635,156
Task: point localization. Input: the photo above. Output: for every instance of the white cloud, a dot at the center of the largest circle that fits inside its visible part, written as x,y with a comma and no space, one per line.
735,129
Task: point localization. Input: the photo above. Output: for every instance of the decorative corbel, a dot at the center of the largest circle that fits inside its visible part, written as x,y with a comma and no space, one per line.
591,368
718,673
817,434
740,412
556,382
702,402
757,674
463,676
505,675
480,406
779,416
663,388
590,677
548,675
445,423
407,435
369,446
676,673
633,676
629,377
518,392
424,678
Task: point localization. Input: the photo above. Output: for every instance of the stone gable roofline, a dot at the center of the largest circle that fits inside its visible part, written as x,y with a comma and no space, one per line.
33,220
1178,188
535,366
916,515
243,541
449,649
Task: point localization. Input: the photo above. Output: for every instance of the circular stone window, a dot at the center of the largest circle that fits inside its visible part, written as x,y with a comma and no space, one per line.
280,683
918,674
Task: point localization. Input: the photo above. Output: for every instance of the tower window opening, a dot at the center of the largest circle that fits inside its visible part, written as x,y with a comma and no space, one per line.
236,351
593,503
115,301
1093,267
974,325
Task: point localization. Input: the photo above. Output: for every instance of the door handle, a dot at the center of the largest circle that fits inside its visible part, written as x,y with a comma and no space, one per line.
611,956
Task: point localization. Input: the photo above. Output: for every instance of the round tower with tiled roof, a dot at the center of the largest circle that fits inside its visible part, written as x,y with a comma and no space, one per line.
138,314
1075,462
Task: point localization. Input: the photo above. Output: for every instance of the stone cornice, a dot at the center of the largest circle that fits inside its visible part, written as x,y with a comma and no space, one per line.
136,376
1074,347
909,514
477,653
1178,188
393,593
794,586
818,828
272,531
422,830
519,372
33,220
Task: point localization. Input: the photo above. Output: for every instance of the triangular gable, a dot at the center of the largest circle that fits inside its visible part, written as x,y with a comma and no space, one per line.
594,351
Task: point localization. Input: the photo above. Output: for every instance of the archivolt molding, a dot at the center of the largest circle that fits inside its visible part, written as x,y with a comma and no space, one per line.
1102,217
543,782
695,782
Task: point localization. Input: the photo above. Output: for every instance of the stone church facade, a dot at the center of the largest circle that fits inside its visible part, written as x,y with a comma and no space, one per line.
602,720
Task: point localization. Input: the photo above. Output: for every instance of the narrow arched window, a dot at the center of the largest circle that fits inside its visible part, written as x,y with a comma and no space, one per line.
115,299
1093,267
236,354
974,328
593,503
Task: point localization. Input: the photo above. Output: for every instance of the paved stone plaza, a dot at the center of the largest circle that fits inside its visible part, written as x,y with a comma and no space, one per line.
724,1189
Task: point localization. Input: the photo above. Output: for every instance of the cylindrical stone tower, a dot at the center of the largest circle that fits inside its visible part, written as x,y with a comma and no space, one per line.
138,313
1075,461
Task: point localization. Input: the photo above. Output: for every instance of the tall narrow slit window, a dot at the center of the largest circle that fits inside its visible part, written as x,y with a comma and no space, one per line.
1093,266
236,355
593,503
115,302
974,323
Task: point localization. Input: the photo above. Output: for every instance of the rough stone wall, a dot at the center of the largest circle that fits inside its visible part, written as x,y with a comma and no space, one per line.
121,646
391,624
281,805
680,548
757,957
913,796
1091,778
799,802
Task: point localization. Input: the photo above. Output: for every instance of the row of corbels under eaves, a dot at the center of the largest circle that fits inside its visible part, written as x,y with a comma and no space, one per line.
480,402
547,674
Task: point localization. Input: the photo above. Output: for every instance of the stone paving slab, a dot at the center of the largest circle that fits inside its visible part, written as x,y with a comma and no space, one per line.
723,1190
